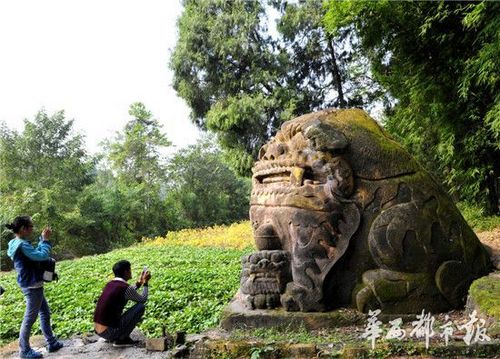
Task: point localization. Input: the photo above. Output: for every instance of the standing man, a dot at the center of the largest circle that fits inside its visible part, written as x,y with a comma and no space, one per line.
109,322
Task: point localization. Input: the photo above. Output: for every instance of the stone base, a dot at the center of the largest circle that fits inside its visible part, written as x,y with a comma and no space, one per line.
345,345
236,316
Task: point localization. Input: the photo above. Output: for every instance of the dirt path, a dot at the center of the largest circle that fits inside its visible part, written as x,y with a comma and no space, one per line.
491,240
89,347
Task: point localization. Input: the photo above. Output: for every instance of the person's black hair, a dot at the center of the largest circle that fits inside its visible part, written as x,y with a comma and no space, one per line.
19,222
120,268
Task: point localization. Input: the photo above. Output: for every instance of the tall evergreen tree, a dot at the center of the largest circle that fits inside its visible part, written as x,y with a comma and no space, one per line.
243,79
135,154
440,60
136,157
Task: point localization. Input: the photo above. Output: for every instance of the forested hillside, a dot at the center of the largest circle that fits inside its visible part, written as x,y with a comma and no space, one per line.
131,189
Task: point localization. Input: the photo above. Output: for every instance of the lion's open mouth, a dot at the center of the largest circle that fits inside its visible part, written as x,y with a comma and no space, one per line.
274,175
290,175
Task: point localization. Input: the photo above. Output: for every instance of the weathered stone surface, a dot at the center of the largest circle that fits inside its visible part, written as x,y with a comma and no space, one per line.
322,348
180,351
159,344
299,350
365,225
484,299
85,347
264,278
237,316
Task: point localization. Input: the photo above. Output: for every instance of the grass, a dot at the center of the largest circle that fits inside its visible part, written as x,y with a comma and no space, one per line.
299,335
476,218
190,284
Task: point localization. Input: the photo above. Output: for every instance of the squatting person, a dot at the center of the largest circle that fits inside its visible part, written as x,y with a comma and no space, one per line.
30,278
109,322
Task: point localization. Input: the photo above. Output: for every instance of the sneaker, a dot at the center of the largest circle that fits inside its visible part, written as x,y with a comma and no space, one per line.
127,342
55,346
31,354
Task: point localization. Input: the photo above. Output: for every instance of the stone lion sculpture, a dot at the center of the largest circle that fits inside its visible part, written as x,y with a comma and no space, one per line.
344,216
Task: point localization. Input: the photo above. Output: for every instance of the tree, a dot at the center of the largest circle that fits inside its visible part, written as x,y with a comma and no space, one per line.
42,171
104,216
135,156
440,60
202,190
46,154
243,81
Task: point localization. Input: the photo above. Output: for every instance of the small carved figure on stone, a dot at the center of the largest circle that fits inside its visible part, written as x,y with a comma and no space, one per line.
264,277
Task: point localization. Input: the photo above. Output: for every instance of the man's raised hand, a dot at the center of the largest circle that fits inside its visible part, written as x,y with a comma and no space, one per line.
145,277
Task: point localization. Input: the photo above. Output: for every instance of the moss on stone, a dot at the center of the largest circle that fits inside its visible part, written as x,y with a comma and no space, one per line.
359,122
241,348
299,335
357,118
485,292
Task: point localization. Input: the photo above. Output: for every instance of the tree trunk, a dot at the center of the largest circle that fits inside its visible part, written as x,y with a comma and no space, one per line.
336,75
493,185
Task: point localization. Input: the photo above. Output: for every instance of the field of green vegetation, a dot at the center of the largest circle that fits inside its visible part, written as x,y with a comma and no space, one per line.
195,273
190,283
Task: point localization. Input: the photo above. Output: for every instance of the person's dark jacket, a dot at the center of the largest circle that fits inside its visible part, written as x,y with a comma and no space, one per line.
111,303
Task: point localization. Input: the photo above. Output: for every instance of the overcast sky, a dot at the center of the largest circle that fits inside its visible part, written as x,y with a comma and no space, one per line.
92,59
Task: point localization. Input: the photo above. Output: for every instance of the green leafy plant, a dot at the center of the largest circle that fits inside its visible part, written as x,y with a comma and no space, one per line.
256,353
190,285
